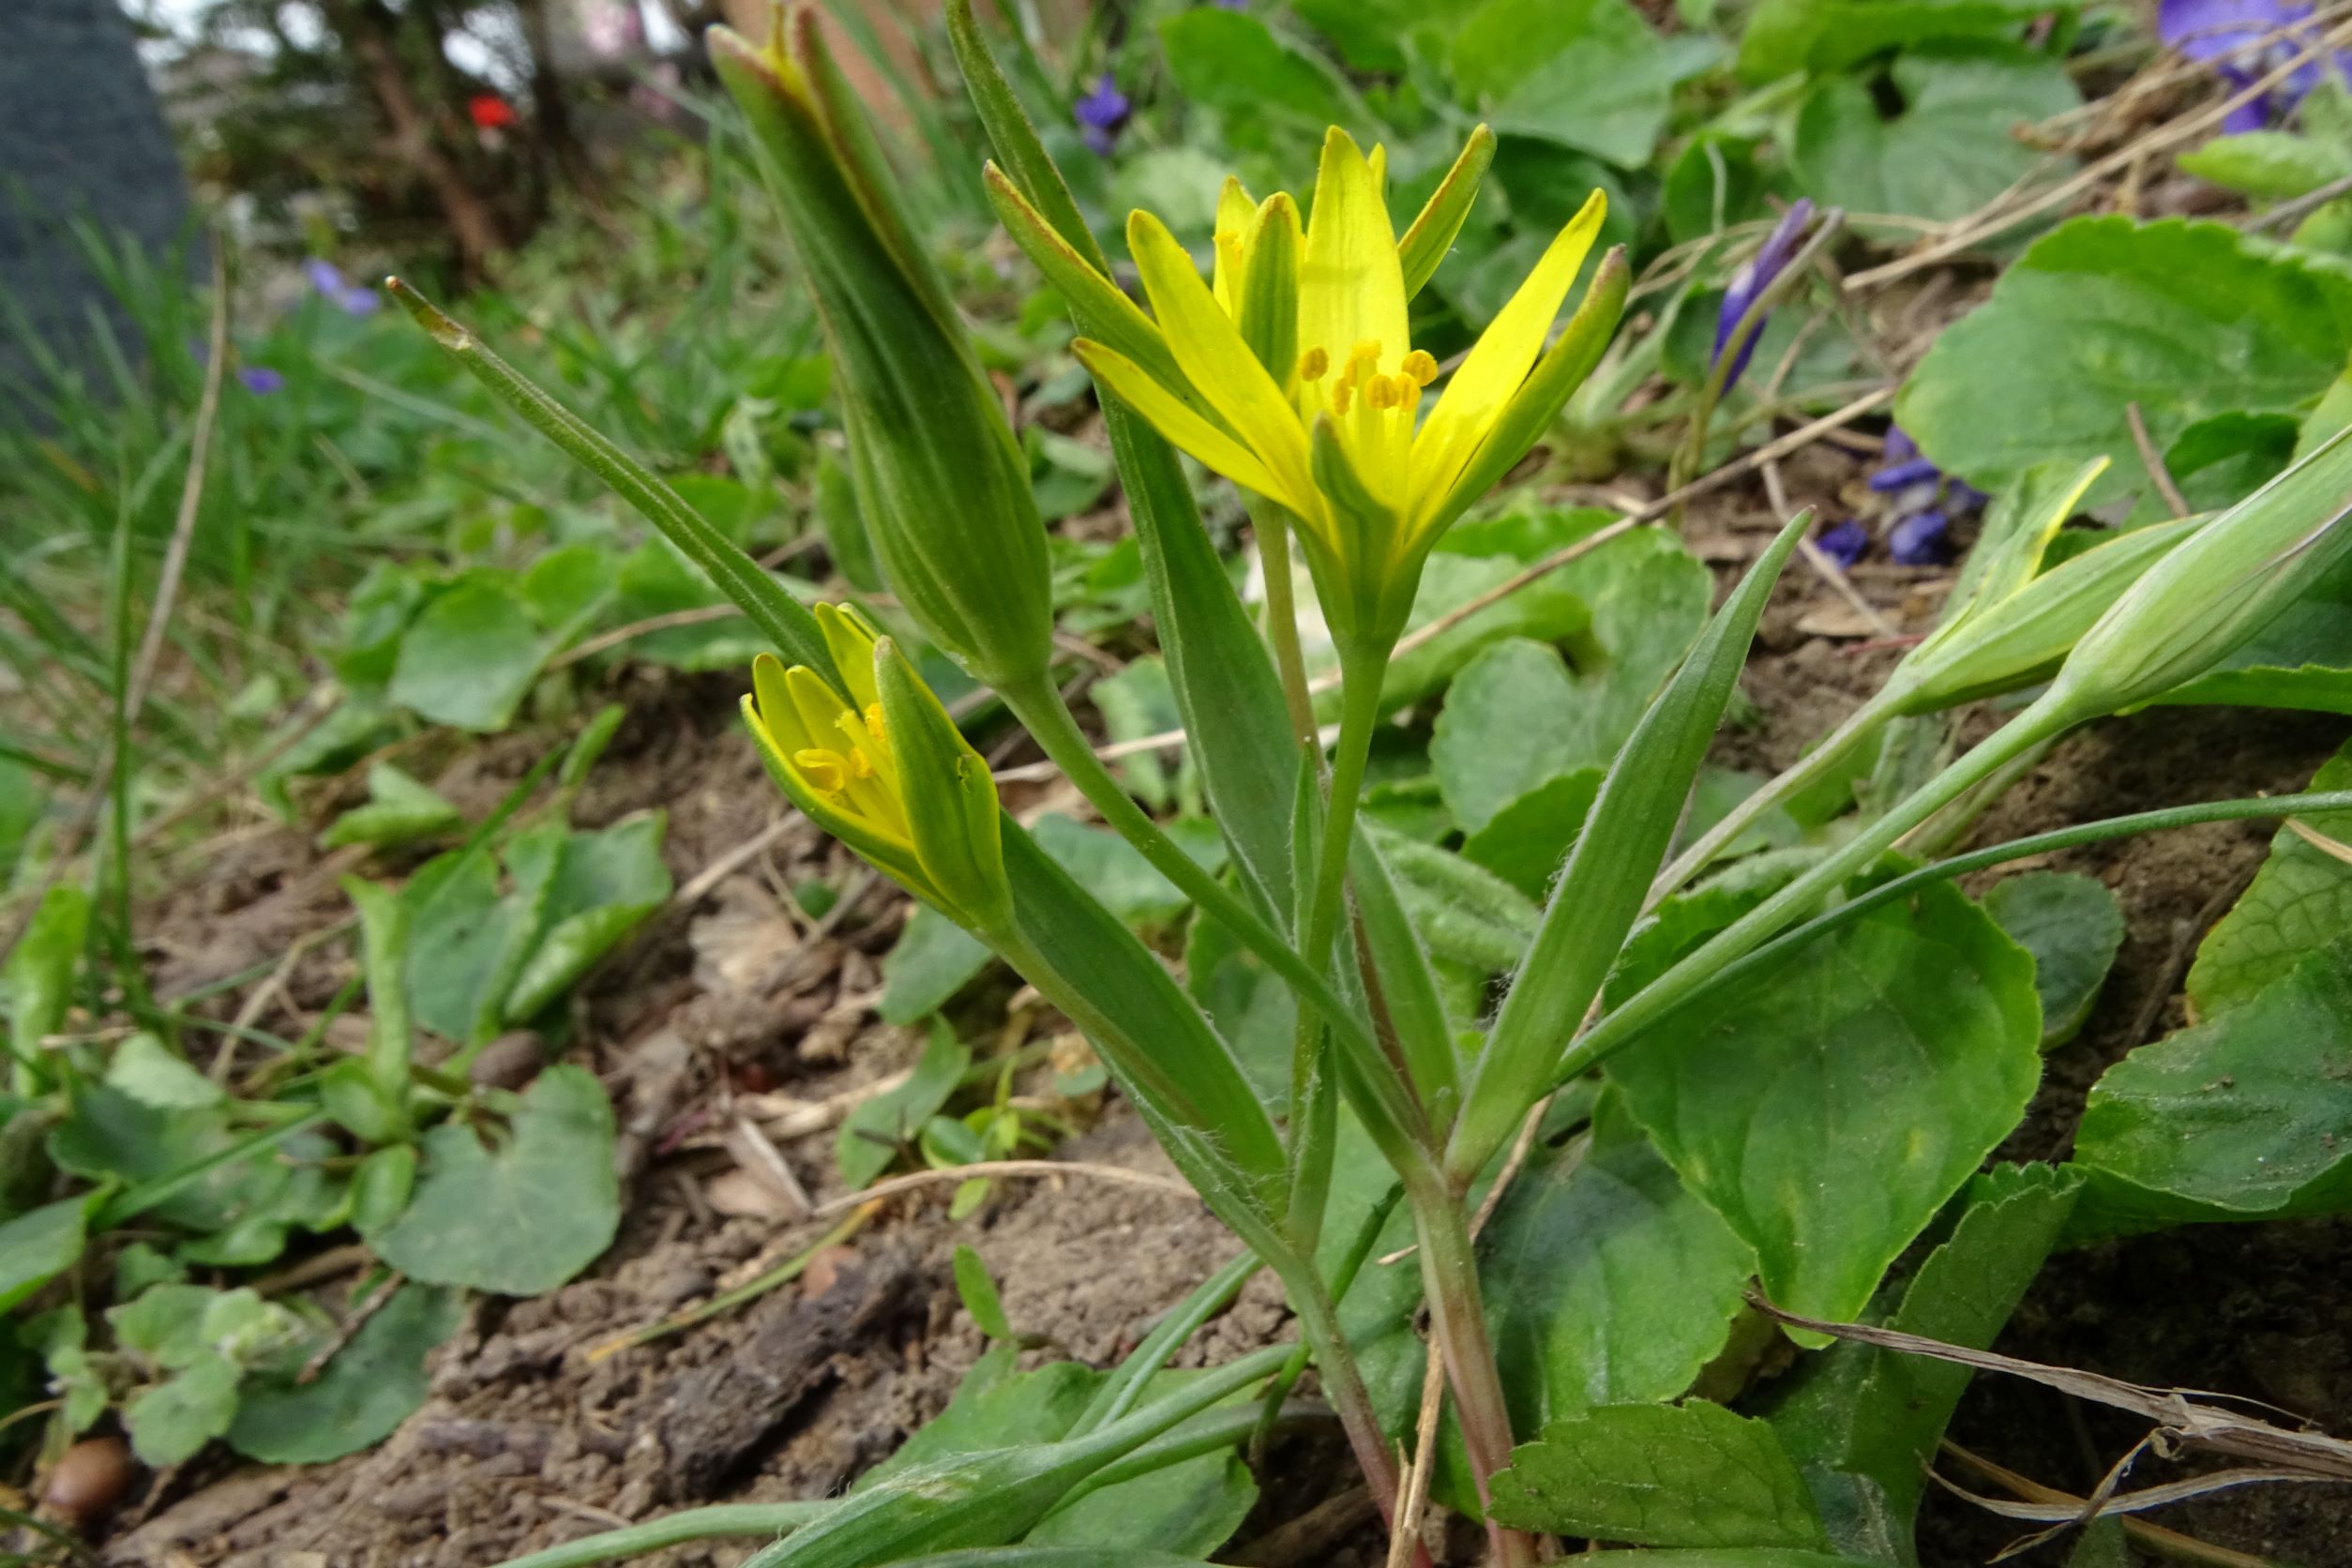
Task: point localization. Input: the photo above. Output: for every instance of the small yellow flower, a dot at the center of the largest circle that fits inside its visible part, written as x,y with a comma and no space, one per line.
1292,374
883,769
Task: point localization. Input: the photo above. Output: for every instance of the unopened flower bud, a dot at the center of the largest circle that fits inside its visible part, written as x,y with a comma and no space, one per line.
940,480
2212,595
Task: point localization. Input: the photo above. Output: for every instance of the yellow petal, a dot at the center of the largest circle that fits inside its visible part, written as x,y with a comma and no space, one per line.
1351,288
853,649
1499,361
776,713
1236,212
1210,350
1130,384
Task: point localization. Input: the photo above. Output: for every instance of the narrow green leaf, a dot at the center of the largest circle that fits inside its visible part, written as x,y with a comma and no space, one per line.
979,1294
1624,841
993,1496
1409,997
40,978
383,948
785,621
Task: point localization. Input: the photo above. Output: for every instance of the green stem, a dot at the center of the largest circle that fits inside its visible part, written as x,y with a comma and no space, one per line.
1838,745
2028,730
1282,618
1312,1131
1049,722
1904,886
1342,1379
1942,831
727,1520
1457,1323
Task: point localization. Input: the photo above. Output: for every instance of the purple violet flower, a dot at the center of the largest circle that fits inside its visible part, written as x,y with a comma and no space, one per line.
353,300
1920,539
261,380
2245,41
1844,543
1102,114
1756,274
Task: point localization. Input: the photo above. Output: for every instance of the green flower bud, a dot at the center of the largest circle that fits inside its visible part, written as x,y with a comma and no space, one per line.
883,769
2014,628
940,482
2211,595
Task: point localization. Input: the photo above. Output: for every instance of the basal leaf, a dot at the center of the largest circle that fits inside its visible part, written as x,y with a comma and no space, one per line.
934,958
1588,74
1828,1106
1859,1413
1606,1281
469,658
1509,725
41,1243
1825,36
520,1218
400,810
366,1390
2299,901
2072,926
2243,1115
1524,842
876,1129
1233,61
1662,1475
1948,150
170,1420
2187,320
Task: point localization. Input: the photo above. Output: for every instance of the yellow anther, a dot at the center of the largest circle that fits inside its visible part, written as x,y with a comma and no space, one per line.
827,772
1420,367
1313,364
1407,390
1343,393
1382,393
874,725
861,765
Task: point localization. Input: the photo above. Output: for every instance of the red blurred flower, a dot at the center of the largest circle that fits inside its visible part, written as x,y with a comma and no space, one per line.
489,112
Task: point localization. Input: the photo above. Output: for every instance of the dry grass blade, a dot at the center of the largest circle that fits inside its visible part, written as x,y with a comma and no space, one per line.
2334,848
1118,1175
2170,1544
2081,1511
2182,1422
2002,214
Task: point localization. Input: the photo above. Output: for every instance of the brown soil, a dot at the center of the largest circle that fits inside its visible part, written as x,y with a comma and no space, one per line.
531,1438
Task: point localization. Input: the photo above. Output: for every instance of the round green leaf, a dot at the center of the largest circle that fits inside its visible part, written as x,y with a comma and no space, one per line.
1827,1108
525,1216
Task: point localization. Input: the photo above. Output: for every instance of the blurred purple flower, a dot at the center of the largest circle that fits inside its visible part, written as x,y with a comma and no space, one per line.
353,300
1844,543
1748,284
2246,40
1102,114
1920,539
261,380
1230,5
